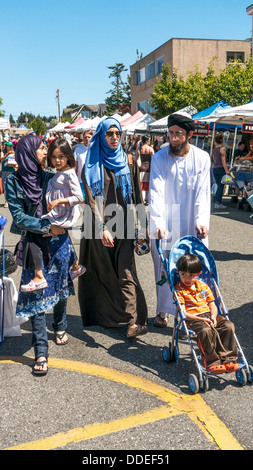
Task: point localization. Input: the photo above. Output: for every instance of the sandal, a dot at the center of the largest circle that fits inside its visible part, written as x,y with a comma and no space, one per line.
40,371
216,369
232,366
60,336
160,322
79,272
138,331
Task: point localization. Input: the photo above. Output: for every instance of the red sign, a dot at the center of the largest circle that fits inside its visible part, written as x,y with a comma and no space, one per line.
247,127
201,129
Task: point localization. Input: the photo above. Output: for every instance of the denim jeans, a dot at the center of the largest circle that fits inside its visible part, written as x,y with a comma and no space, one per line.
39,328
218,173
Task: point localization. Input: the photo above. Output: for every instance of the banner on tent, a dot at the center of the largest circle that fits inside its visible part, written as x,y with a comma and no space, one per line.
247,127
201,129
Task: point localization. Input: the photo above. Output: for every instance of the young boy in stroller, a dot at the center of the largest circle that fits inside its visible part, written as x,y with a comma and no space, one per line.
215,333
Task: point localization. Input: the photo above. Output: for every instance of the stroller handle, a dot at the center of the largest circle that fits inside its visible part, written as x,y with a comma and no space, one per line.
159,249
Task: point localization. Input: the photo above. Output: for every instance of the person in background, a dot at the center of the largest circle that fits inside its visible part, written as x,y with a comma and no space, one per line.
219,168
146,153
240,151
9,165
80,152
248,156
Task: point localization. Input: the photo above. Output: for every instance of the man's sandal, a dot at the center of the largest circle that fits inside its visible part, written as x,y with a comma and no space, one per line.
160,322
40,364
60,336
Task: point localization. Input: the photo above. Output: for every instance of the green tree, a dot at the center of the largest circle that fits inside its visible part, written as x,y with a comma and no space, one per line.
1,111
117,93
25,118
233,84
168,93
38,126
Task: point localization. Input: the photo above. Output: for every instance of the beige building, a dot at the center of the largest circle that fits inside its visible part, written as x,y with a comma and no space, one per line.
182,55
249,11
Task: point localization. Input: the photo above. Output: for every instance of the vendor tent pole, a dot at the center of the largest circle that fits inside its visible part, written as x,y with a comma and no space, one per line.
233,150
211,150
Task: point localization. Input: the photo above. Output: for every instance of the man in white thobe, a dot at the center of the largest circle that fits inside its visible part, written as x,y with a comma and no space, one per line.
179,200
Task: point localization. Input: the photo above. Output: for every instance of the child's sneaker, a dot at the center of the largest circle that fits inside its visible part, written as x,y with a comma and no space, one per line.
232,366
81,270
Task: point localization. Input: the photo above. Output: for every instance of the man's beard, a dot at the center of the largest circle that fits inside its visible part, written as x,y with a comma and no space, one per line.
179,149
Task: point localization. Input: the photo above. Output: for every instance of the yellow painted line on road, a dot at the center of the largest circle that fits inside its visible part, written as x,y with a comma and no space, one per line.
95,430
191,405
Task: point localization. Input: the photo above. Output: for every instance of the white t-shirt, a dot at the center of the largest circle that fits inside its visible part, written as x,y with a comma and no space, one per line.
80,153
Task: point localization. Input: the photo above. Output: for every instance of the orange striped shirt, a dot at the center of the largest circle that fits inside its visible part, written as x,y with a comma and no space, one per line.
195,300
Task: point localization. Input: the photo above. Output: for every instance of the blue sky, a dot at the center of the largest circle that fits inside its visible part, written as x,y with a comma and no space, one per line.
51,44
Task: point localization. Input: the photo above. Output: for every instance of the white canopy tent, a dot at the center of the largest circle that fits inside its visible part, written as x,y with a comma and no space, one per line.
4,123
82,127
162,124
236,116
60,127
142,125
93,123
121,118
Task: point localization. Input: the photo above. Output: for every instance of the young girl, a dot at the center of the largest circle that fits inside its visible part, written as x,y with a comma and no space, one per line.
63,196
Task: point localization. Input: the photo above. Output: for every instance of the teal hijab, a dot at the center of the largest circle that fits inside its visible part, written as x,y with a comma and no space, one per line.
100,155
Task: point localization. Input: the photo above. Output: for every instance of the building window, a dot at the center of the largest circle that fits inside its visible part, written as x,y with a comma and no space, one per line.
140,75
158,65
150,70
141,106
149,108
235,56
85,114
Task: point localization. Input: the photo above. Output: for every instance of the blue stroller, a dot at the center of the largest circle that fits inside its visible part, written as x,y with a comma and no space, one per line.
209,275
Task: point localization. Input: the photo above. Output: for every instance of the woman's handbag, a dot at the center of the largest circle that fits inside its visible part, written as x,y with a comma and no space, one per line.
141,242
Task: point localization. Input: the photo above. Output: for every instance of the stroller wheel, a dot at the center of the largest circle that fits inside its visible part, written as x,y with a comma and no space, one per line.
205,386
250,374
241,377
193,383
168,354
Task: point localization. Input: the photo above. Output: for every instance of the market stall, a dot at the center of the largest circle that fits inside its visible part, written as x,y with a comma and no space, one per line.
235,116
141,126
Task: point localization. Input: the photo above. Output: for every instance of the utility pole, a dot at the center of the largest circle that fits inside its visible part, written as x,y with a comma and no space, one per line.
58,98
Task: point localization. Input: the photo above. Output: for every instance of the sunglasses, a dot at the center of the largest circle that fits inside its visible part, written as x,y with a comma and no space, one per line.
111,133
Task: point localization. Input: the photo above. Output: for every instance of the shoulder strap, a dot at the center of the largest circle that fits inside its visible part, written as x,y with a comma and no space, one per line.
130,164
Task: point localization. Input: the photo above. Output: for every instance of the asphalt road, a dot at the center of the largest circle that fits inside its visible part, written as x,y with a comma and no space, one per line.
106,393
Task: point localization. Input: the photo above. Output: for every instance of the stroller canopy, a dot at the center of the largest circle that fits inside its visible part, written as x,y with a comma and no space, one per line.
192,245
